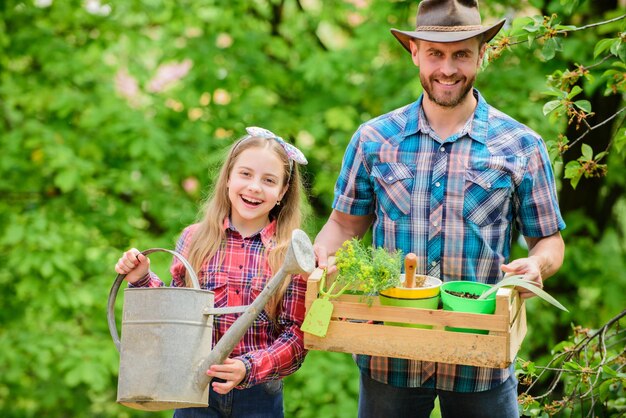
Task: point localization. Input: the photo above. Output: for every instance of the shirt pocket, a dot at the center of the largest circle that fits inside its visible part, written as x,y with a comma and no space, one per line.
487,196
217,282
256,287
393,187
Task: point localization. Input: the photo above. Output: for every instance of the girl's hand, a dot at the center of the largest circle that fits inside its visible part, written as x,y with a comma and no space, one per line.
232,371
133,264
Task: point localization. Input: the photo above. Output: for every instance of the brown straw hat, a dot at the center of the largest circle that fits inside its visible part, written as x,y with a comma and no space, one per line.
447,21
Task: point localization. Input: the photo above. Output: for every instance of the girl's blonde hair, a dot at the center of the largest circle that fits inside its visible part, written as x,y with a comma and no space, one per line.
210,235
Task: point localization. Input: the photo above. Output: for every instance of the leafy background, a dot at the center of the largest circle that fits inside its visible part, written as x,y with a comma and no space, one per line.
114,118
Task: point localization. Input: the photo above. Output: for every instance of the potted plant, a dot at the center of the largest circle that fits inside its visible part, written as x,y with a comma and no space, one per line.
366,270
474,297
415,291
362,270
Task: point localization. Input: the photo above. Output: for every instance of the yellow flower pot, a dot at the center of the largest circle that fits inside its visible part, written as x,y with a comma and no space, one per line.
425,297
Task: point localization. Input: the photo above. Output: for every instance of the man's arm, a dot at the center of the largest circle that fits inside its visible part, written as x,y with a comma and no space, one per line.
339,228
545,257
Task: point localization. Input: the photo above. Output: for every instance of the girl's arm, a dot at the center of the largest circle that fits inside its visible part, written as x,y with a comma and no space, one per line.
286,354
177,269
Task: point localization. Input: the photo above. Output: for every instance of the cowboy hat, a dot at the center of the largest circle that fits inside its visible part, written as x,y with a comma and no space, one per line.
447,21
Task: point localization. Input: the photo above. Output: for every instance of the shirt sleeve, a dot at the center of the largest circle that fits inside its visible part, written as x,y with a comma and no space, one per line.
286,354
354,194
537,207
149,280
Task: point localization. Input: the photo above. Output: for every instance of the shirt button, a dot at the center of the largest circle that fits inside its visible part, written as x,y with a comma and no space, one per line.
240,266
243,245
433,263
437,184
442,149
390,178
489,185
435,223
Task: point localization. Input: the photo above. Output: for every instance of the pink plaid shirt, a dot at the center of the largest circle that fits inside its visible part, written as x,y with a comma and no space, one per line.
270,349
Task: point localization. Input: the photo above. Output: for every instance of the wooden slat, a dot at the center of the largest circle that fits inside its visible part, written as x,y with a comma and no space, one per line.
420,316
312,288
412,343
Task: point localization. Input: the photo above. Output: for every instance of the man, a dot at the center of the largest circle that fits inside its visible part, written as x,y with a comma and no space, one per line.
447,178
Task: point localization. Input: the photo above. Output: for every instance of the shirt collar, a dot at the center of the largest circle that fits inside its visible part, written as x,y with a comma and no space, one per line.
266,233
476,130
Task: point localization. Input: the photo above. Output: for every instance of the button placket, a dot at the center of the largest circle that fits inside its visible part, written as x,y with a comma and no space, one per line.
437,192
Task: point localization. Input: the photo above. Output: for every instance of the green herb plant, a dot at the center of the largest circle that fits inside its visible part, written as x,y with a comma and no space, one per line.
365,268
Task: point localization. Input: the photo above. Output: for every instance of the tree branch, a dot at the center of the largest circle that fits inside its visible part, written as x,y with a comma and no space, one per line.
591,128
564,31
591,25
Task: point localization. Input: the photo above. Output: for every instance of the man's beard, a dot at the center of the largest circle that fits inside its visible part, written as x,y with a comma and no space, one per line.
446,100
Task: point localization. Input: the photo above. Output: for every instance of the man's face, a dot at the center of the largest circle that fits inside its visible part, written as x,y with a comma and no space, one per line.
447,70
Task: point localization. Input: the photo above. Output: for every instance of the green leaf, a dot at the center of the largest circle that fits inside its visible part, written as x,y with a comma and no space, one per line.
565,27
584,105
615,46
572,365
551,106
604,390
609,371
600,156
574,92
621,51
549,49
603,45
575,179
574,172
587,152
517,281
553,92
562,347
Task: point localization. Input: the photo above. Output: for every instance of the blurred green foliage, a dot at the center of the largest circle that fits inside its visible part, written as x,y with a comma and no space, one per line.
114,118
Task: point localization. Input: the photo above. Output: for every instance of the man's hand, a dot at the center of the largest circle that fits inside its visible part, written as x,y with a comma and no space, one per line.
321,255
530,268
232,371
339,228
545,257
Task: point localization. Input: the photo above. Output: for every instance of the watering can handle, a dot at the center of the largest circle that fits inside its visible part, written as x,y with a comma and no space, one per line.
120,278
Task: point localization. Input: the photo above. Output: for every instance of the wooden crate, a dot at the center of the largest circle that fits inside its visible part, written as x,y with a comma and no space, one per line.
349,331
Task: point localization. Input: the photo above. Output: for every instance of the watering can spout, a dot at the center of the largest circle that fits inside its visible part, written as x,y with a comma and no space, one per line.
299,259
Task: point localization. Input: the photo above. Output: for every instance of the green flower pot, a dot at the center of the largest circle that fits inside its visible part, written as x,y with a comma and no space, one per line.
461,304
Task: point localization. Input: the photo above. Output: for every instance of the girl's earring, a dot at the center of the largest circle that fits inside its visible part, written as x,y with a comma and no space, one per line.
278,203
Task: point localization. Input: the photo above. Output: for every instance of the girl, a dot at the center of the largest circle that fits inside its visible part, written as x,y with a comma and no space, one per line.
239,243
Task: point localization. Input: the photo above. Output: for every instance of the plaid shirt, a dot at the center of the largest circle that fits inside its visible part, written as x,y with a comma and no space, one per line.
452,202
270,349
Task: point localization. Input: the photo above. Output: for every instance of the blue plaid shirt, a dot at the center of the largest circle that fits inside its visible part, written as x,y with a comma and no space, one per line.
451,201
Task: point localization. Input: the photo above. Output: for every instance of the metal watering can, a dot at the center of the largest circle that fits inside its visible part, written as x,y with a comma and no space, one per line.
165,348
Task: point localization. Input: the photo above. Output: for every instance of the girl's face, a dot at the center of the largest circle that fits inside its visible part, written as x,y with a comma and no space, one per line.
255,185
